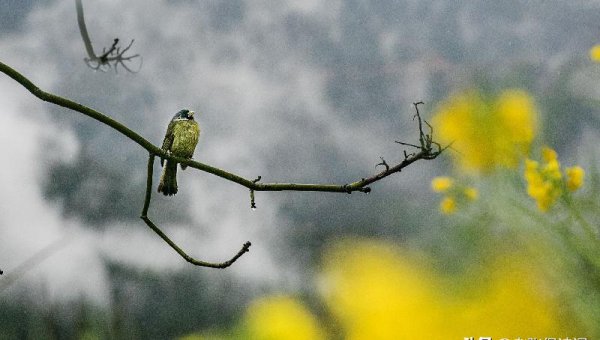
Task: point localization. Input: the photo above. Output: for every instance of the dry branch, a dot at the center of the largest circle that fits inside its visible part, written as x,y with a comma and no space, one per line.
144,216
427,150
114,54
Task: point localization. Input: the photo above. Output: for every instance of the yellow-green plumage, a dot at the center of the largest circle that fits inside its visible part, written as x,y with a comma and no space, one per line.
180,140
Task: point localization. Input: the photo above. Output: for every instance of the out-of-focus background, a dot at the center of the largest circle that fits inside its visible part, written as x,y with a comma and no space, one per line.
479,242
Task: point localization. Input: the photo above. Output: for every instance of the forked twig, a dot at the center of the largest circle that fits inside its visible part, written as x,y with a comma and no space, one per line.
425,151
144,216
113,55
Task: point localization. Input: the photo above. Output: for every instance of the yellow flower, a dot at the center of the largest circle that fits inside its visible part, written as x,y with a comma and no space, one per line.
441,184
575,177
516,111
551,170
456,194
545,183
448,206
471,193
281,317
531,171
549,155
595,53
376,291
487,132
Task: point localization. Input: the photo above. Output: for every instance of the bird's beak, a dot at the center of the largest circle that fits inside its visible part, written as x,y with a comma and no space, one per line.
191,114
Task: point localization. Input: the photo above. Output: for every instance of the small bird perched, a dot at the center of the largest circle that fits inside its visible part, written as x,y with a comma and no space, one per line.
180,140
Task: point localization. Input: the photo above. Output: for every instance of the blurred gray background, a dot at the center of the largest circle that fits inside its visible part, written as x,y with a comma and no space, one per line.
300,91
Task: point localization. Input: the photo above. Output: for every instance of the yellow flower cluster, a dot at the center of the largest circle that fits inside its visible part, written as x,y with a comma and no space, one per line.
575,176
454,194
595,53
488,132
281,317
545,181
376,291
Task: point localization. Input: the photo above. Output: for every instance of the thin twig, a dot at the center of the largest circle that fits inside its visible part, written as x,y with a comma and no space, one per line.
113,55
145,218
418,116
252,200
384,163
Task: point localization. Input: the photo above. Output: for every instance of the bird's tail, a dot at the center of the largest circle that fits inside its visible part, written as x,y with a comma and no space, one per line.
168,179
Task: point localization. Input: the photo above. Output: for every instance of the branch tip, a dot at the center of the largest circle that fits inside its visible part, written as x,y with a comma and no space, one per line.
252,201
246,246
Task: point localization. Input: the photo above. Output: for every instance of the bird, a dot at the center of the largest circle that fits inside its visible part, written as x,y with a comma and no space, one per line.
180,141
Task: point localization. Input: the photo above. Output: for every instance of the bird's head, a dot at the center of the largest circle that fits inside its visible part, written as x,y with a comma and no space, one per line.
184,114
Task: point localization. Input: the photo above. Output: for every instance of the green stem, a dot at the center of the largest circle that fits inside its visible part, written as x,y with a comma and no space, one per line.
588,228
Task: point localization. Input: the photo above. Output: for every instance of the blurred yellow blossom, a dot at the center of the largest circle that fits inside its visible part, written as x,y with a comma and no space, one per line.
543,189
545,183
487,132
471,193
281,317
441,184
595,53
455,193
549,155
448,205
575,176
377,291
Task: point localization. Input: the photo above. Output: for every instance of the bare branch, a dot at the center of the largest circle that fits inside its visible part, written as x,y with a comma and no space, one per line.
245,248
113,55
83,30
425,152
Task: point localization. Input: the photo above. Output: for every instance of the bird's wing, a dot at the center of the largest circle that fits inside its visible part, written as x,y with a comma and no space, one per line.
168,140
